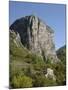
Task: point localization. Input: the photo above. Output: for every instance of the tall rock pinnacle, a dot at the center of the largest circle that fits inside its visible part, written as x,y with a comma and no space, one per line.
36,36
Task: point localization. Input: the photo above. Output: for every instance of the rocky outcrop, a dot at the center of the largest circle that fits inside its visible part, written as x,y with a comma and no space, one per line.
50,74
15,38
36,36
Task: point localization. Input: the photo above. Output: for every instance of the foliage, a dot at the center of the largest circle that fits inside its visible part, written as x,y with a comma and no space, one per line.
21,81
42,81
28,69
60,73
61,53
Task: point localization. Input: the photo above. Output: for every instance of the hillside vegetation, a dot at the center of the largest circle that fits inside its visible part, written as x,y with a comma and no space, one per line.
61,53
28,69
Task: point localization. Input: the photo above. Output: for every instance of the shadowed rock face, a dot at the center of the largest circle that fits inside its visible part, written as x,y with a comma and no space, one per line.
36,36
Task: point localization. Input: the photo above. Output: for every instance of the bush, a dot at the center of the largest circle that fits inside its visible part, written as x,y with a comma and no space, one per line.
60,72
42,81
21,82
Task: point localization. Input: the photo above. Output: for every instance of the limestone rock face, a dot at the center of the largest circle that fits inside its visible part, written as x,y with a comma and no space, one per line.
36,36
15,38
50,74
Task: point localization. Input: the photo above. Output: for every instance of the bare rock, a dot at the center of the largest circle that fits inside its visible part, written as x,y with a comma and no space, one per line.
36,36
50,74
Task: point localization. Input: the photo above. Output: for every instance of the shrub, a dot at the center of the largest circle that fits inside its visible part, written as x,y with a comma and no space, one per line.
42,81
21,82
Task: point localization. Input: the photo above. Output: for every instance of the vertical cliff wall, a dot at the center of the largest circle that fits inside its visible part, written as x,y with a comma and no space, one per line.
36,36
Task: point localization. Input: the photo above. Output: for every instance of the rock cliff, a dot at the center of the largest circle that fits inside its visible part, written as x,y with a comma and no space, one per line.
36,36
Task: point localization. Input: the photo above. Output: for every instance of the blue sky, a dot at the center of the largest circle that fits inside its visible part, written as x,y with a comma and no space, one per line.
52,14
